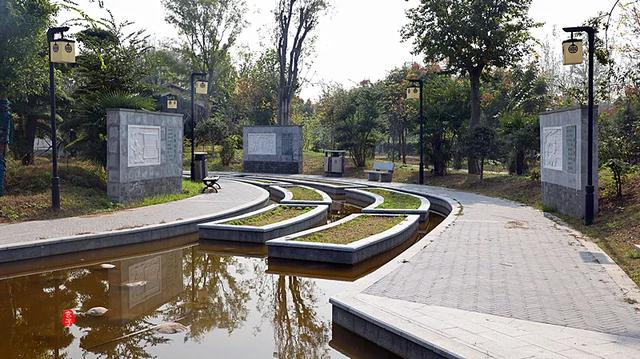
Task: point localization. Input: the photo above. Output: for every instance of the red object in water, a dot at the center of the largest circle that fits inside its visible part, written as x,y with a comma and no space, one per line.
68,318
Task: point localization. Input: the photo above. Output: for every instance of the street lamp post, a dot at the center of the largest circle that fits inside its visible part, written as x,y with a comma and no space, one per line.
414,92
60,51
195,75
589,188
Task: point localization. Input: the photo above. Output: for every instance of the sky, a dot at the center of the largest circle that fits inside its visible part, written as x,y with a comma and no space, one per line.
358,40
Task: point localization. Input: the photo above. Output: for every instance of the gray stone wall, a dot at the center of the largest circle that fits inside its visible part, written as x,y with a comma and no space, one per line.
273,149
144,154
564,145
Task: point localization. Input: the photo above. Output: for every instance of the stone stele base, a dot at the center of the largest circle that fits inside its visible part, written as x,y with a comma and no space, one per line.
564,145
273,149
144,154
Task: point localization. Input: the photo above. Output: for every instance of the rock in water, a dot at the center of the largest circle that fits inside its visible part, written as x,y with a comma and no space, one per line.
171,328
107,266
96,311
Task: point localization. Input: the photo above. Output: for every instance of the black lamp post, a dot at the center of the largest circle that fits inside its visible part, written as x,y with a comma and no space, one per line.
416,92
589,188
60,51
194,75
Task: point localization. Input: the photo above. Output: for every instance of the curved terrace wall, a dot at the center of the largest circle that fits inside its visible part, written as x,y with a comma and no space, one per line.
336,191
370,202
78,243
221,230
289,248
285,196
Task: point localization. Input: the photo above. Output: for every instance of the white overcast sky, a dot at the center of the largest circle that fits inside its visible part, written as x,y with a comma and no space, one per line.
358,40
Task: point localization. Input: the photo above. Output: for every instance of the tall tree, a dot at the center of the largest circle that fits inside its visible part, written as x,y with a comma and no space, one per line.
109,73
446,103
358,124
22,34
469,36
296,19
256,88
209,29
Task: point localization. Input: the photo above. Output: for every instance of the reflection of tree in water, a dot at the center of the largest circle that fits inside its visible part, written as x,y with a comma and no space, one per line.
291,304
216,294
30,314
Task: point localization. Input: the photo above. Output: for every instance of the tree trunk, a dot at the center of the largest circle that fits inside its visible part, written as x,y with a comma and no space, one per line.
437,157
520,167
404,147
24,140
5,126
283,107
474,77
393,148
481,168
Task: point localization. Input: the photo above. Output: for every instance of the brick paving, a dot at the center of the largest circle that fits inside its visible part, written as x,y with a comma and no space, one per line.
508,260
232,195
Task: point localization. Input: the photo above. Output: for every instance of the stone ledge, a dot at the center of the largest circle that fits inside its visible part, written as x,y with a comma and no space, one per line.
352,253
77,243
218,230
371,201
284,196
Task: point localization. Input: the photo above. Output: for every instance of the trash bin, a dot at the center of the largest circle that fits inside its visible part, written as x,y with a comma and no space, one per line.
200,166
334,163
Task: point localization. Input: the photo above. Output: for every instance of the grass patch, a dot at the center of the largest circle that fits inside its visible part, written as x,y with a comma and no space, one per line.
83,191
304,194
616,228
278,214
359,228
395,200
189,189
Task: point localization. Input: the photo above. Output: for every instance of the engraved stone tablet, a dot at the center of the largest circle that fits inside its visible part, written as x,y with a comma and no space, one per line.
571,145
144,281
144,146
552,148
262,144
172,144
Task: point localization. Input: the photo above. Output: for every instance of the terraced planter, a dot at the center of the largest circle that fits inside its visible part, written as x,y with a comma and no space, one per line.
299,195
375,202
326,244
262,183
333,189
270,222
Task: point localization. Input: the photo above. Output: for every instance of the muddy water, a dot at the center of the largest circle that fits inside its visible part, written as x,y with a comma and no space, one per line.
235,303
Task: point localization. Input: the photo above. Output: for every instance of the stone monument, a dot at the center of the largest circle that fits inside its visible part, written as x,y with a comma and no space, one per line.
144,154
273,149
563,162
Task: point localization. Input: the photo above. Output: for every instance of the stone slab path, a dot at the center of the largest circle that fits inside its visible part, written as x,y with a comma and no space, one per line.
502,280
232,195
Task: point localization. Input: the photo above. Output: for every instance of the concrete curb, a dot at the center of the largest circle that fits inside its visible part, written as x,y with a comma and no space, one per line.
284,196
352,253
263,185
334,190
220,231
371,201
73,244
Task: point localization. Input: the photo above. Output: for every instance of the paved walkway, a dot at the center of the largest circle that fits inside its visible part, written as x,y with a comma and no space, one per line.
232,195
501,280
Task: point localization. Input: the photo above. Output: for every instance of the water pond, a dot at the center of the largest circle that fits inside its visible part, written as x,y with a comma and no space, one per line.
235,302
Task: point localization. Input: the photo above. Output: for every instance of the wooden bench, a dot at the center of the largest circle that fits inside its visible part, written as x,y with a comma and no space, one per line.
210,183
382,171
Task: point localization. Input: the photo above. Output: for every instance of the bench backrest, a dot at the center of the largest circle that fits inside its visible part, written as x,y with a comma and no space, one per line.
383,166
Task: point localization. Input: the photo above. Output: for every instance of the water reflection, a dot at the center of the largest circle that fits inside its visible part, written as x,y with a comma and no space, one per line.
291,304
235,303
208,292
